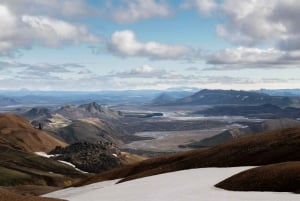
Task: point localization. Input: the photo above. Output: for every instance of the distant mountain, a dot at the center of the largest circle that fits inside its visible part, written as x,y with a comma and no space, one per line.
163,99
88,110
16,132
7,101
280,92
267,111
233,97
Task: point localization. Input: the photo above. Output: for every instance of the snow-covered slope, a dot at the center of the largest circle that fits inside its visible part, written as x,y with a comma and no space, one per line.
188,185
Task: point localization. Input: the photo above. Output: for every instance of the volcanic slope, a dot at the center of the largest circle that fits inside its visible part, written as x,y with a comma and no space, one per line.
279,177
18,133
259,149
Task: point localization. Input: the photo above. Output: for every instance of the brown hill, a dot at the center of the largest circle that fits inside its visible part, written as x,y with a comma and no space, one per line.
22,168
260,149
280,177
9,196
18,133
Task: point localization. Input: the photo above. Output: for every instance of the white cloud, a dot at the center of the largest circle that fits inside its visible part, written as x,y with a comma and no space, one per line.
204,7
54,32
20,31
264,21
245,57
124,43
55,8
136,10
249,22
242,55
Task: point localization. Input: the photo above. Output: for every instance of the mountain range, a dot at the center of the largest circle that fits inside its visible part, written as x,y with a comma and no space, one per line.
226,97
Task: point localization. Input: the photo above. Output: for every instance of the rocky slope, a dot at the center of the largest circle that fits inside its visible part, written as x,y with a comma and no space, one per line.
90,157
88,110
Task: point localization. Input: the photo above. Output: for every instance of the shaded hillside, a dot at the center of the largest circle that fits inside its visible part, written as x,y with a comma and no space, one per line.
250,129
87,130
20,168
260,149
221,97
37,113
18,133
258,111
6,195
280,177
88,110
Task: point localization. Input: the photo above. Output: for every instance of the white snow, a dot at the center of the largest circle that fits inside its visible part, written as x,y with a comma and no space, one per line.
43,154
188,185
72,165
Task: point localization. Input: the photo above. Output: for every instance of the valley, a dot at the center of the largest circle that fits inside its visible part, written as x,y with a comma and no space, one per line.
100,142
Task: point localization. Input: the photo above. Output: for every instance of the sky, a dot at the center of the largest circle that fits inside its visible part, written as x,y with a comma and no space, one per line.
93,45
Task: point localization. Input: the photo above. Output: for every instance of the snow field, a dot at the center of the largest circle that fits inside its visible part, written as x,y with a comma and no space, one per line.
187,185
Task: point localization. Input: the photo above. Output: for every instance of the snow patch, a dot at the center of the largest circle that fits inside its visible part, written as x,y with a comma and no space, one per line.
72,165
191,185
43,154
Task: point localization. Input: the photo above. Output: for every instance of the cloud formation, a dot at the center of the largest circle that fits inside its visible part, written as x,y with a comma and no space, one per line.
129,11
205,7
19,31
125,43
66,9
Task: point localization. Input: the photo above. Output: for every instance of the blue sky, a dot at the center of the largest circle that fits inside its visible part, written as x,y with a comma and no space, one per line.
91,45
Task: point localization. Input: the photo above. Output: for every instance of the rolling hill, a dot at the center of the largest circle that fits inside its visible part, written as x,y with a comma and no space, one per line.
18,133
